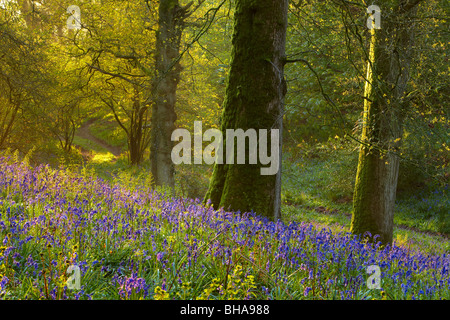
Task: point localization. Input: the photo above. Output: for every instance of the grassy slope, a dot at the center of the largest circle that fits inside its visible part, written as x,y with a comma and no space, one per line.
313,193
316,190
129,243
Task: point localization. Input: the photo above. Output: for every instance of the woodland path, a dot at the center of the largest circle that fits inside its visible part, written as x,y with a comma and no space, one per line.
84,132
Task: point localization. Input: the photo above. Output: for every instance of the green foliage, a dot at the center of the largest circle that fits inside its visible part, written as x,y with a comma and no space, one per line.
108,131
52,72
192,180
426,155
325,169
426,210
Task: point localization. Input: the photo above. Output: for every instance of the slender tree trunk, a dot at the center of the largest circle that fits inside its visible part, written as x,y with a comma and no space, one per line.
6,126
254,100
168,75
8,113
387,78
137,143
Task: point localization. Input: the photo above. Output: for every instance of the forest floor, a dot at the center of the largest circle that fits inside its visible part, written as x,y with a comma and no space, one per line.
310,193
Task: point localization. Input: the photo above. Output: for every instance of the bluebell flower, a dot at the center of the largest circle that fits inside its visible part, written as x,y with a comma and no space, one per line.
307,291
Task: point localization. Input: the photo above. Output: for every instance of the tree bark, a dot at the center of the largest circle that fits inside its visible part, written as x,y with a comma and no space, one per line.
386,84
165,87
137,141
254,100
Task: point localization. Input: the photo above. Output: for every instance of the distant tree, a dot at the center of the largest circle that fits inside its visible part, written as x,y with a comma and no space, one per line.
39,92
23,80
254,100
114,45
168,68
171,24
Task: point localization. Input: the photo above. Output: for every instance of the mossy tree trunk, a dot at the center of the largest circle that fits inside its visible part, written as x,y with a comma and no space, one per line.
254,100
168,70
384,101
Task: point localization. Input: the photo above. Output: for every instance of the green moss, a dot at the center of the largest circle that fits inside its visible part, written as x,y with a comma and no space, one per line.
249,91
365,199
376,181
363,219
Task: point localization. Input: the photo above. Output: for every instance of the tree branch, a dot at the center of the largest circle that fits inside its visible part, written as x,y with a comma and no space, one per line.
405,7
115,75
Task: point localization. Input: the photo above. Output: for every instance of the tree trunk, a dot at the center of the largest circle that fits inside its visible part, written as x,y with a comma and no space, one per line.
168,75
137,140
7,117
387,78
254,100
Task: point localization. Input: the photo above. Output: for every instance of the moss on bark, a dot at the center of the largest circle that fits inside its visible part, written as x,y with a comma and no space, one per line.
387,78
254,100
